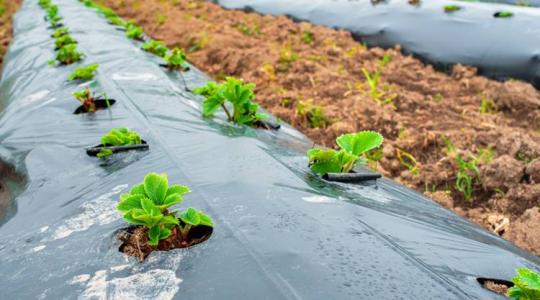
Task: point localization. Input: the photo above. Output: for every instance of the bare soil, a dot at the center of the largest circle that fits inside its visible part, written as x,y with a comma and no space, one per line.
7,9
135,240
496,287
300,68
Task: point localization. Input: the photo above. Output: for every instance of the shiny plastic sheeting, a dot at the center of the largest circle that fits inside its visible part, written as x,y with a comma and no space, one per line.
500,47
280,232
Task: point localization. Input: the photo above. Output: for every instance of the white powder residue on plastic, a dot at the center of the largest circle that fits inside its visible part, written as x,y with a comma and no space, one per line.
318,199
100,211
80,279
39,248
153,284
134,76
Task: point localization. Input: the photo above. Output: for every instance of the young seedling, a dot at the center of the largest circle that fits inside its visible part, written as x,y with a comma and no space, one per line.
118,137
84,73
149,204
53,15
87,99
409,161
156,47
487,106
503,14
307,37
176,60
451,8
237,93
67,55
60,32
380,95
64,40
526,285
352,152
133,31
314,114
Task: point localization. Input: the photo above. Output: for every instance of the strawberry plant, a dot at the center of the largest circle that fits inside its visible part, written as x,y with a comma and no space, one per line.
451,8
133,31
503,14
60,32
352,152
90,103
68,54
238,94
63,40
53,15
149,204
176,59
84,73
156,47
118,137
526,285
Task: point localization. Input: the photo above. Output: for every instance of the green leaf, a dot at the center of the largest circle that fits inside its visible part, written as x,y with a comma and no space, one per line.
138,189
104,152
153,236
205,220
84,73
151,218
129,218
156,47
170,220
323,161
191,216
156,187
178,189
164,233
361,142
130,202
527,285
172,199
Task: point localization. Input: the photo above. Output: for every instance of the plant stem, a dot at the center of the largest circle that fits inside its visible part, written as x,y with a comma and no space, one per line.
229,118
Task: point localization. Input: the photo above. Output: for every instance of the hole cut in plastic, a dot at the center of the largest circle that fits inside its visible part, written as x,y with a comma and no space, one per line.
93,151
101,104
498,286
135,240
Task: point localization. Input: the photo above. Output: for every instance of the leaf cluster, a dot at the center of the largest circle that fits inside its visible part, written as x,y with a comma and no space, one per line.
176,59
155,47
526,285
84,73
60,32
353,147
149,203
133,31
86,98
64,40
238,94
68,54
118,137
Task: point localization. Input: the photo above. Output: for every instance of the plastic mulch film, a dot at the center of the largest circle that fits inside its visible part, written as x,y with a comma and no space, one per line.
280,232
501,48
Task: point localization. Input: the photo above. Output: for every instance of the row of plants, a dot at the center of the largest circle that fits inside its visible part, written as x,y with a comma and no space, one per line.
145,207
148,206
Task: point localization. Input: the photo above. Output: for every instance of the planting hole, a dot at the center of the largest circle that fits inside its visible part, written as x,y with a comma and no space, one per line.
116,149
498,286
100,105
135,240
